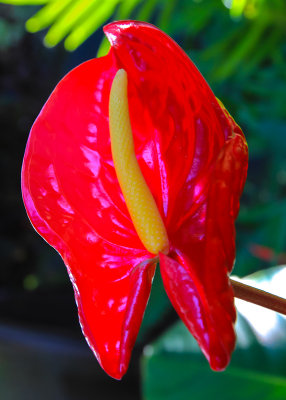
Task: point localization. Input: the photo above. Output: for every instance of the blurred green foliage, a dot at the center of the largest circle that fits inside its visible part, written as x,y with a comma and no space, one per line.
174,368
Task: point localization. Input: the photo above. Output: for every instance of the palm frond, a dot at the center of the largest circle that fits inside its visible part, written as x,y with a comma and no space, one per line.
73,20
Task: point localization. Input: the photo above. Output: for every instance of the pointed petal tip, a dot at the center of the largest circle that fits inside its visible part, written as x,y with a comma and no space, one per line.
111,325
117,373
219,363
189,299
115,366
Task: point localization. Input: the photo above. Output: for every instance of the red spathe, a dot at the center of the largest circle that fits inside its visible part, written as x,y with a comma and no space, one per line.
194,159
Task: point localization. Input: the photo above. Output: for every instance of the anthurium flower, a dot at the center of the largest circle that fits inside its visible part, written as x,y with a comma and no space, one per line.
132,161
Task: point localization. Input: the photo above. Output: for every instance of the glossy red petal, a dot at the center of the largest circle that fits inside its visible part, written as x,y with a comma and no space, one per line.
209,323
194,158
177,123
196,280
71,136
214,218
73,199
111,314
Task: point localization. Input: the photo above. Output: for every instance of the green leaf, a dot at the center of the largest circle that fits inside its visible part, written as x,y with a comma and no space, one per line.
237,8
46,16
98,15
76,14
103,47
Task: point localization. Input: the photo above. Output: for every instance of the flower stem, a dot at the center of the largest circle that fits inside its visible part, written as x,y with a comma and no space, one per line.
259,297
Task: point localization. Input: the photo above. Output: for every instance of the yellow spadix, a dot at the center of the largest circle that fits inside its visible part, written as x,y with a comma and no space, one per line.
139,200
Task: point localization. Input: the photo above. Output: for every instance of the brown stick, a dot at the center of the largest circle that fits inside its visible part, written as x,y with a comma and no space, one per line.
259,297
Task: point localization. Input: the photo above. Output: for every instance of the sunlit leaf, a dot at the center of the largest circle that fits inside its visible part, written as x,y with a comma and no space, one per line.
103,47
98,15
75,15
46,16
237,7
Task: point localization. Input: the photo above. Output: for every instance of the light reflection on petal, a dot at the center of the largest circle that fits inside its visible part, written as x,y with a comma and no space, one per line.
62,202
93,160
52,178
